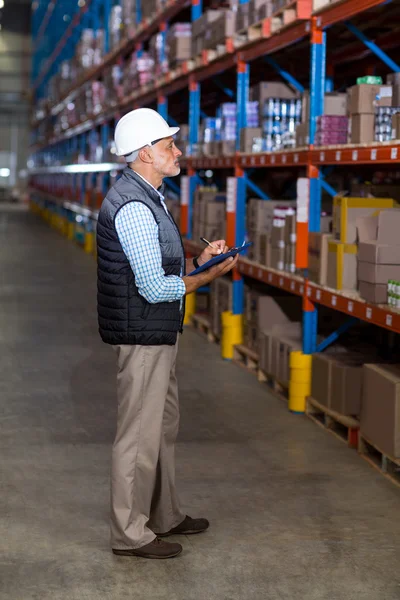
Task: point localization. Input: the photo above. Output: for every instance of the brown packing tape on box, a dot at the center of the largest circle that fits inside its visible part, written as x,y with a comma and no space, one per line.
380,411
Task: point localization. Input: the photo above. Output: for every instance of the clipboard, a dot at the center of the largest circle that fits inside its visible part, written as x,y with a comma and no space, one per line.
219,258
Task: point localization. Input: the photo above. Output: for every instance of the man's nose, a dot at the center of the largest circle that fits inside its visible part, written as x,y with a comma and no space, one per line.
178,152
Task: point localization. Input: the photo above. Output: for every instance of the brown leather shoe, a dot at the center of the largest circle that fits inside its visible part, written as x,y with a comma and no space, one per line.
156,549
187,527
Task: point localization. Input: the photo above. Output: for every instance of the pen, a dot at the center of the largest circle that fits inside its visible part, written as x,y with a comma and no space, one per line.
208,243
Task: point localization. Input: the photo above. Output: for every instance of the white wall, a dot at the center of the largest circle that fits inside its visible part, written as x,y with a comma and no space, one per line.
15,66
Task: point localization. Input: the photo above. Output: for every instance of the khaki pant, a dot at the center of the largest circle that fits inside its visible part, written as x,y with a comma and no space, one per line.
143,495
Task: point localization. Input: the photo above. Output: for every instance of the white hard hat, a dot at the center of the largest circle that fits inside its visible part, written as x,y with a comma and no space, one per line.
140,128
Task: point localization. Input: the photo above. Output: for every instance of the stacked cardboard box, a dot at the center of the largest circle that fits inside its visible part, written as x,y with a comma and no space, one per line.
378,254
179,44
277,342
342,250
259,9
290,240
220,29
380,410
201,30
318,257
330,127
209,212
337,381
260,224
243,17
363,101
220,301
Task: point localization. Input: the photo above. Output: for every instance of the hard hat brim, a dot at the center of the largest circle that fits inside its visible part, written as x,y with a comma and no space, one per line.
172,131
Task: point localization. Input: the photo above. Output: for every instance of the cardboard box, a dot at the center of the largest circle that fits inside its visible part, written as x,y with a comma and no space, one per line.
278,235
286,346
396,124
260,213
335,104
283,337
262,249
271,89
380,254
321,378
247,136
378,274
380,410
347,386
342,266
290,228
278,258
318,257
290,258
302,135
347,210
364,98
362,129
179,49
373,293
200,25
213,213
278,315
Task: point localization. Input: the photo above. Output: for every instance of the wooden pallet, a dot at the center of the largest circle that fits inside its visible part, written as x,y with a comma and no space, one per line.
245,358
343,427
202,325
279,390
385,464
254,32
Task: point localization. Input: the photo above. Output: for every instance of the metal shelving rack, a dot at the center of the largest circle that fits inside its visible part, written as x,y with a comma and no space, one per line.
190,76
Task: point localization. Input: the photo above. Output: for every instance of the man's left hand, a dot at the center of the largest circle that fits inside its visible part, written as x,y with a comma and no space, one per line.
217,247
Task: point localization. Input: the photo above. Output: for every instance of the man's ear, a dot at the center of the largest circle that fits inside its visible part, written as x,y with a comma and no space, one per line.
146,155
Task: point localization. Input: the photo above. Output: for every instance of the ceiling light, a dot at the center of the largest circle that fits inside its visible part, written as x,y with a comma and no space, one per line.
4,172
1,3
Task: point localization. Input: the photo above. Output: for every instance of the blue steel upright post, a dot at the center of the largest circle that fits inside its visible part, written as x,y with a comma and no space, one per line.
317,89
242,95
194,122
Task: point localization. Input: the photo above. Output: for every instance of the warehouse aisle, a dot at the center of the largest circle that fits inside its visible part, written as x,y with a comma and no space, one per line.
294,513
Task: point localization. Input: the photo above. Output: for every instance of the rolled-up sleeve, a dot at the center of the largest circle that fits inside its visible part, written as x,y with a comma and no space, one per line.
137,231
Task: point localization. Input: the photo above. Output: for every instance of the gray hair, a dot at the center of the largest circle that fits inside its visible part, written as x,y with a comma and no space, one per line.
130,158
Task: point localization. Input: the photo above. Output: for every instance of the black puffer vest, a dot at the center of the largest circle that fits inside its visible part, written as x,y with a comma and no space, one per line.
125,317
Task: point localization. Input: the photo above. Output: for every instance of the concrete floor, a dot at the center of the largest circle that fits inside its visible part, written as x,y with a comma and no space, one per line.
295,514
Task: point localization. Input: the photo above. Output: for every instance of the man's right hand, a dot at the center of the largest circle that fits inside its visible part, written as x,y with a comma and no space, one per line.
196,281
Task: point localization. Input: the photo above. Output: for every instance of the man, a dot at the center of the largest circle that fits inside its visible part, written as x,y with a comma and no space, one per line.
141,287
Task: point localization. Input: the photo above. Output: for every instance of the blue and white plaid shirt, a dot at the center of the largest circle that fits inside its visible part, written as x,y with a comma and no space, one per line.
138,234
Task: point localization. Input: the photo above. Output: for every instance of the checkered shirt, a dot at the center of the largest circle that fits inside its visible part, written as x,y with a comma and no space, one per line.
137,231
